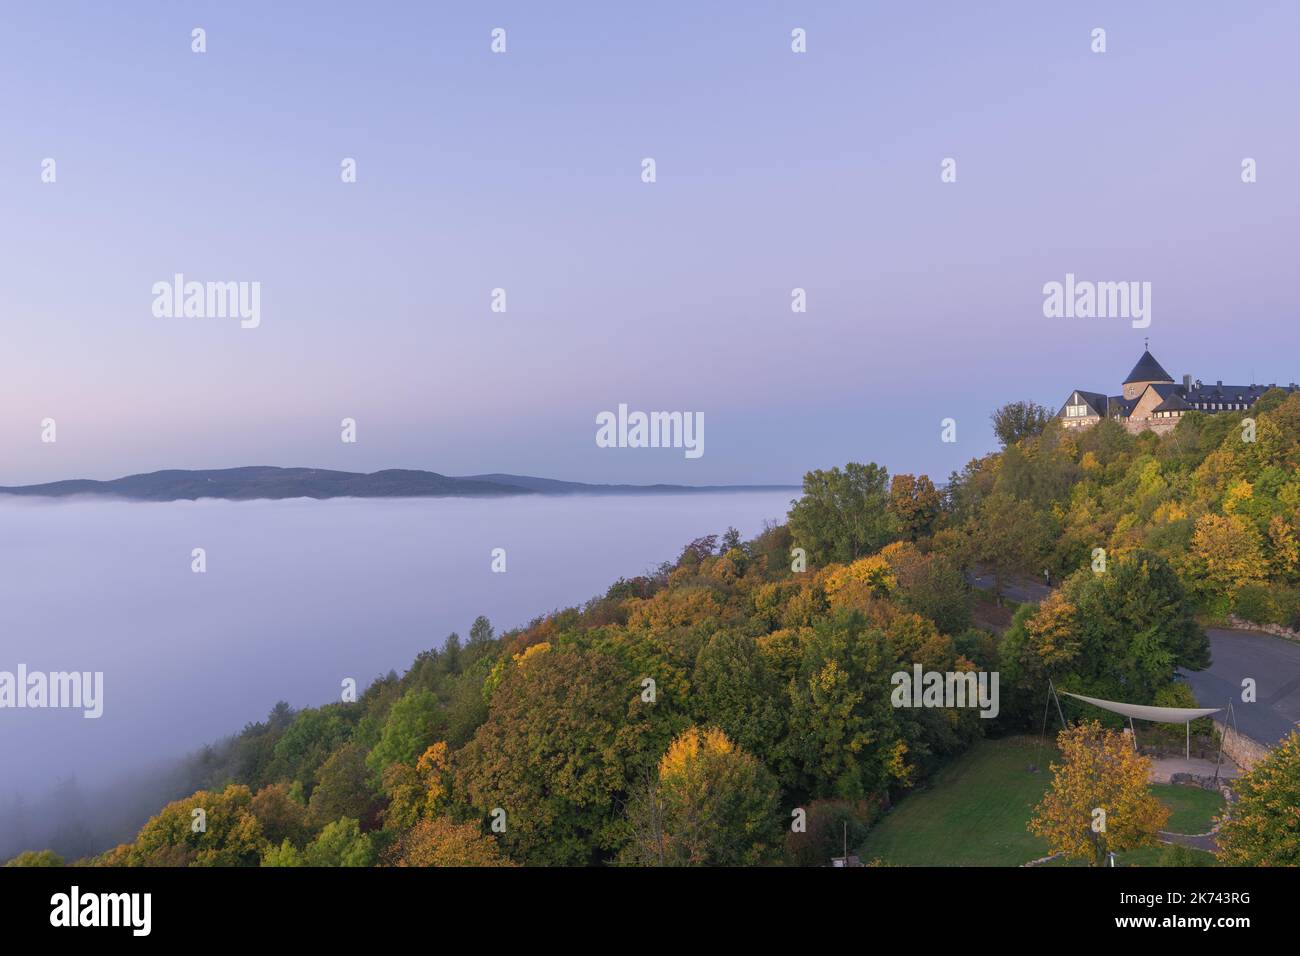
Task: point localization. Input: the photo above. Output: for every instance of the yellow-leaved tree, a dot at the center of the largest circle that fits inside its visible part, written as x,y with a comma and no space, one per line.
1099,801
713,804
1228,553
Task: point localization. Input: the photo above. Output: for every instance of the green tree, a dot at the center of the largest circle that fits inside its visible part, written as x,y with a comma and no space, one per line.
1263,826
286,854
1019,420
414,722
733,688
843,739
1130,629
340,843
1008,535
344,789
480,632
843,515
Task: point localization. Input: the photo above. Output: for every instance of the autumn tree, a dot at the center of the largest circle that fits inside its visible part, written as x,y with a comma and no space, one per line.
206,829
1228,553
280,815
915,505
713,804
1263,826
1099,800
419,792
35,858
438,841
554,754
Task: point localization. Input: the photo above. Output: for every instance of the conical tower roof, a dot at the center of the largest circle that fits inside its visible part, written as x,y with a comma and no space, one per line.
1147,370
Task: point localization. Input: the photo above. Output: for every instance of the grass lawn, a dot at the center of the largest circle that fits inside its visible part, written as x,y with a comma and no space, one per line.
1193,808
973,813
1148,856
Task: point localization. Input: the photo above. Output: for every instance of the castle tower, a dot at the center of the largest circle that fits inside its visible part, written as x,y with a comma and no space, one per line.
1146,372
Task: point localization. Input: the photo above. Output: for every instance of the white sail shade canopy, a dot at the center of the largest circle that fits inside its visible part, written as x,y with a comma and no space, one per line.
1161,715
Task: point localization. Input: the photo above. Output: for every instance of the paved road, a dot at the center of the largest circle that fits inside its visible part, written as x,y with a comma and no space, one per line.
1274,664
1020,589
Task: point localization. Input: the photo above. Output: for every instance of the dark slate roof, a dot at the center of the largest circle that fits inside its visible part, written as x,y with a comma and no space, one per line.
1173,402
1095,400
1147,370
1119,405
1228,394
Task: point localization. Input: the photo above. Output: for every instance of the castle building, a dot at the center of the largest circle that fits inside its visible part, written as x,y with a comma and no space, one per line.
1151,400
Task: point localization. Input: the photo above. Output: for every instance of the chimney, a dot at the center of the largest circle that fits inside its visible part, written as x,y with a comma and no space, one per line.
1187,383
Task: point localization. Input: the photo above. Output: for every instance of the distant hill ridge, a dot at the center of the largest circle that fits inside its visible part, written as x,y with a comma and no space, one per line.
254,482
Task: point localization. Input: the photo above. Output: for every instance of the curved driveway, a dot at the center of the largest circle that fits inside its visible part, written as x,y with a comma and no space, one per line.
1274,664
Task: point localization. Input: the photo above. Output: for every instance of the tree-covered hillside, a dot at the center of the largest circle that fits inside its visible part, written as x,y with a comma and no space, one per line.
735,706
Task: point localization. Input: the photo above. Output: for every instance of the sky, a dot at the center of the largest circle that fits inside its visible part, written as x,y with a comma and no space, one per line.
522,170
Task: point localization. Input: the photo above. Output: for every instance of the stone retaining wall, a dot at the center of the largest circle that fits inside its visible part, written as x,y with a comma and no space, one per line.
1243,751
1277,630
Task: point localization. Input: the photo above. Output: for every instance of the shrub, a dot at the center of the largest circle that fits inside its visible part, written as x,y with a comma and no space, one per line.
1255,604
824,837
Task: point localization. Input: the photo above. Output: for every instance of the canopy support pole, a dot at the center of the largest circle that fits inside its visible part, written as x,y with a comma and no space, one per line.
1047,709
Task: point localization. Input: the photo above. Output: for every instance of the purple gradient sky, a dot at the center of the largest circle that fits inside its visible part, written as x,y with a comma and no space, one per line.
522,171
